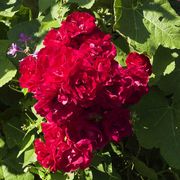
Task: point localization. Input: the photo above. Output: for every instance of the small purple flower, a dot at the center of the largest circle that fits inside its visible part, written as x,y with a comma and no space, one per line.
13,49
24,38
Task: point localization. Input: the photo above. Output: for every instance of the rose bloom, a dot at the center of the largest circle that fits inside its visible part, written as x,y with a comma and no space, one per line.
82,92
127,85
56,153
61,156
116,124
88,125
140,61
78,23
28,77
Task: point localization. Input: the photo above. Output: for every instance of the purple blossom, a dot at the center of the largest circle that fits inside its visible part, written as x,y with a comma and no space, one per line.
13,49
24,38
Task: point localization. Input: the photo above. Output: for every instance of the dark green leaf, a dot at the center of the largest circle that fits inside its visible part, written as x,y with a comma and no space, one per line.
162,59
7,71
13,132
103,164
144,170
58,176
83,3
170,82
44,4
4,28
159,126
13,97
29,28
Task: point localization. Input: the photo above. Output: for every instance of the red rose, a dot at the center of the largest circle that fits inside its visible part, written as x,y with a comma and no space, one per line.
28,79
85,126
50,155
116,124
52,132
98,45
82,92
125,86
77,157
62,114
78,23
83,84
133,86
58,153
56,38
139,61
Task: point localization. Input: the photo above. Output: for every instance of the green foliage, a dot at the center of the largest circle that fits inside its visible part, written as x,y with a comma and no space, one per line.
83,3
159,125
144,170
149,26
28,28
7,69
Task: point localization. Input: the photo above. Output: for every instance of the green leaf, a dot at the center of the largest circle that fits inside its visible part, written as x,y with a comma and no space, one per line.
148,24
58,176
2,143
29,28
162,59
4,28
100,175
7,71
13,132
4,44
169,83
170,68
55,11
33,6
10,160
159,126
120,57
58,11
13,97
27,142
1,173
8,12
117,11
83,3
88,175
44,4
7,175
144,170
24,91
46,26
122,48
163,63
70,176
116,149
103,163
29,156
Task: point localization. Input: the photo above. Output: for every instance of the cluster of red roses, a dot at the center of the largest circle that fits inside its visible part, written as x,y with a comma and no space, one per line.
81,91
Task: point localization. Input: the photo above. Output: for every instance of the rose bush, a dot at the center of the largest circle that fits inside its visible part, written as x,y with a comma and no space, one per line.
89,89
67,82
